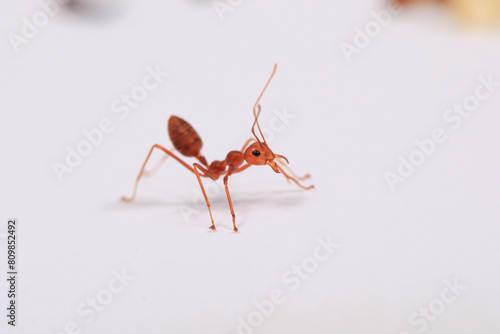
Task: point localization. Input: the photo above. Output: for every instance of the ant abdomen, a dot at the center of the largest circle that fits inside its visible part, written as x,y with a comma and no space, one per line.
185,138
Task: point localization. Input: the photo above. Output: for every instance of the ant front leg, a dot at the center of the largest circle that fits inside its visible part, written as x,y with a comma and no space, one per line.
282,166
205,173
230,202
288,178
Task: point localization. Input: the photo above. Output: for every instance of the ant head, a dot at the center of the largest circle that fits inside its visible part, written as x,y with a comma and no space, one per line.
259,153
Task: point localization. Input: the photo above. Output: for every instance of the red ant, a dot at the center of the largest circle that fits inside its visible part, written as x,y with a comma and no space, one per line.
188,143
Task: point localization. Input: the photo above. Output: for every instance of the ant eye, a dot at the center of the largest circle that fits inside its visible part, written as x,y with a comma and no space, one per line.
255,153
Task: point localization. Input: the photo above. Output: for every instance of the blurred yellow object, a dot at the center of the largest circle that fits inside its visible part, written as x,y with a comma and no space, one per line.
478,12
475,12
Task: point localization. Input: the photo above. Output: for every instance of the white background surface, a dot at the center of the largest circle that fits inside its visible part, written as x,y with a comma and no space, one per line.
352,122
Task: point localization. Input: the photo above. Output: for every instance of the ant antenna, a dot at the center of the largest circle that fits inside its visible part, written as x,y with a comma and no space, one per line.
257,106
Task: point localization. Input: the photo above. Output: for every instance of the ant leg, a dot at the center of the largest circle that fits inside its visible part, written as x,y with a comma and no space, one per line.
131,198
288,178
242,168
230,202
246,144
205,172
152,171
282,165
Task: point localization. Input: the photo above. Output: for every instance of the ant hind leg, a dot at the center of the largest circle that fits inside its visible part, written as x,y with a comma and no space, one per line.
141,172
156,167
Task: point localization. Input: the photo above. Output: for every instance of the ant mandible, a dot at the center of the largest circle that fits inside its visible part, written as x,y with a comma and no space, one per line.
255,152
